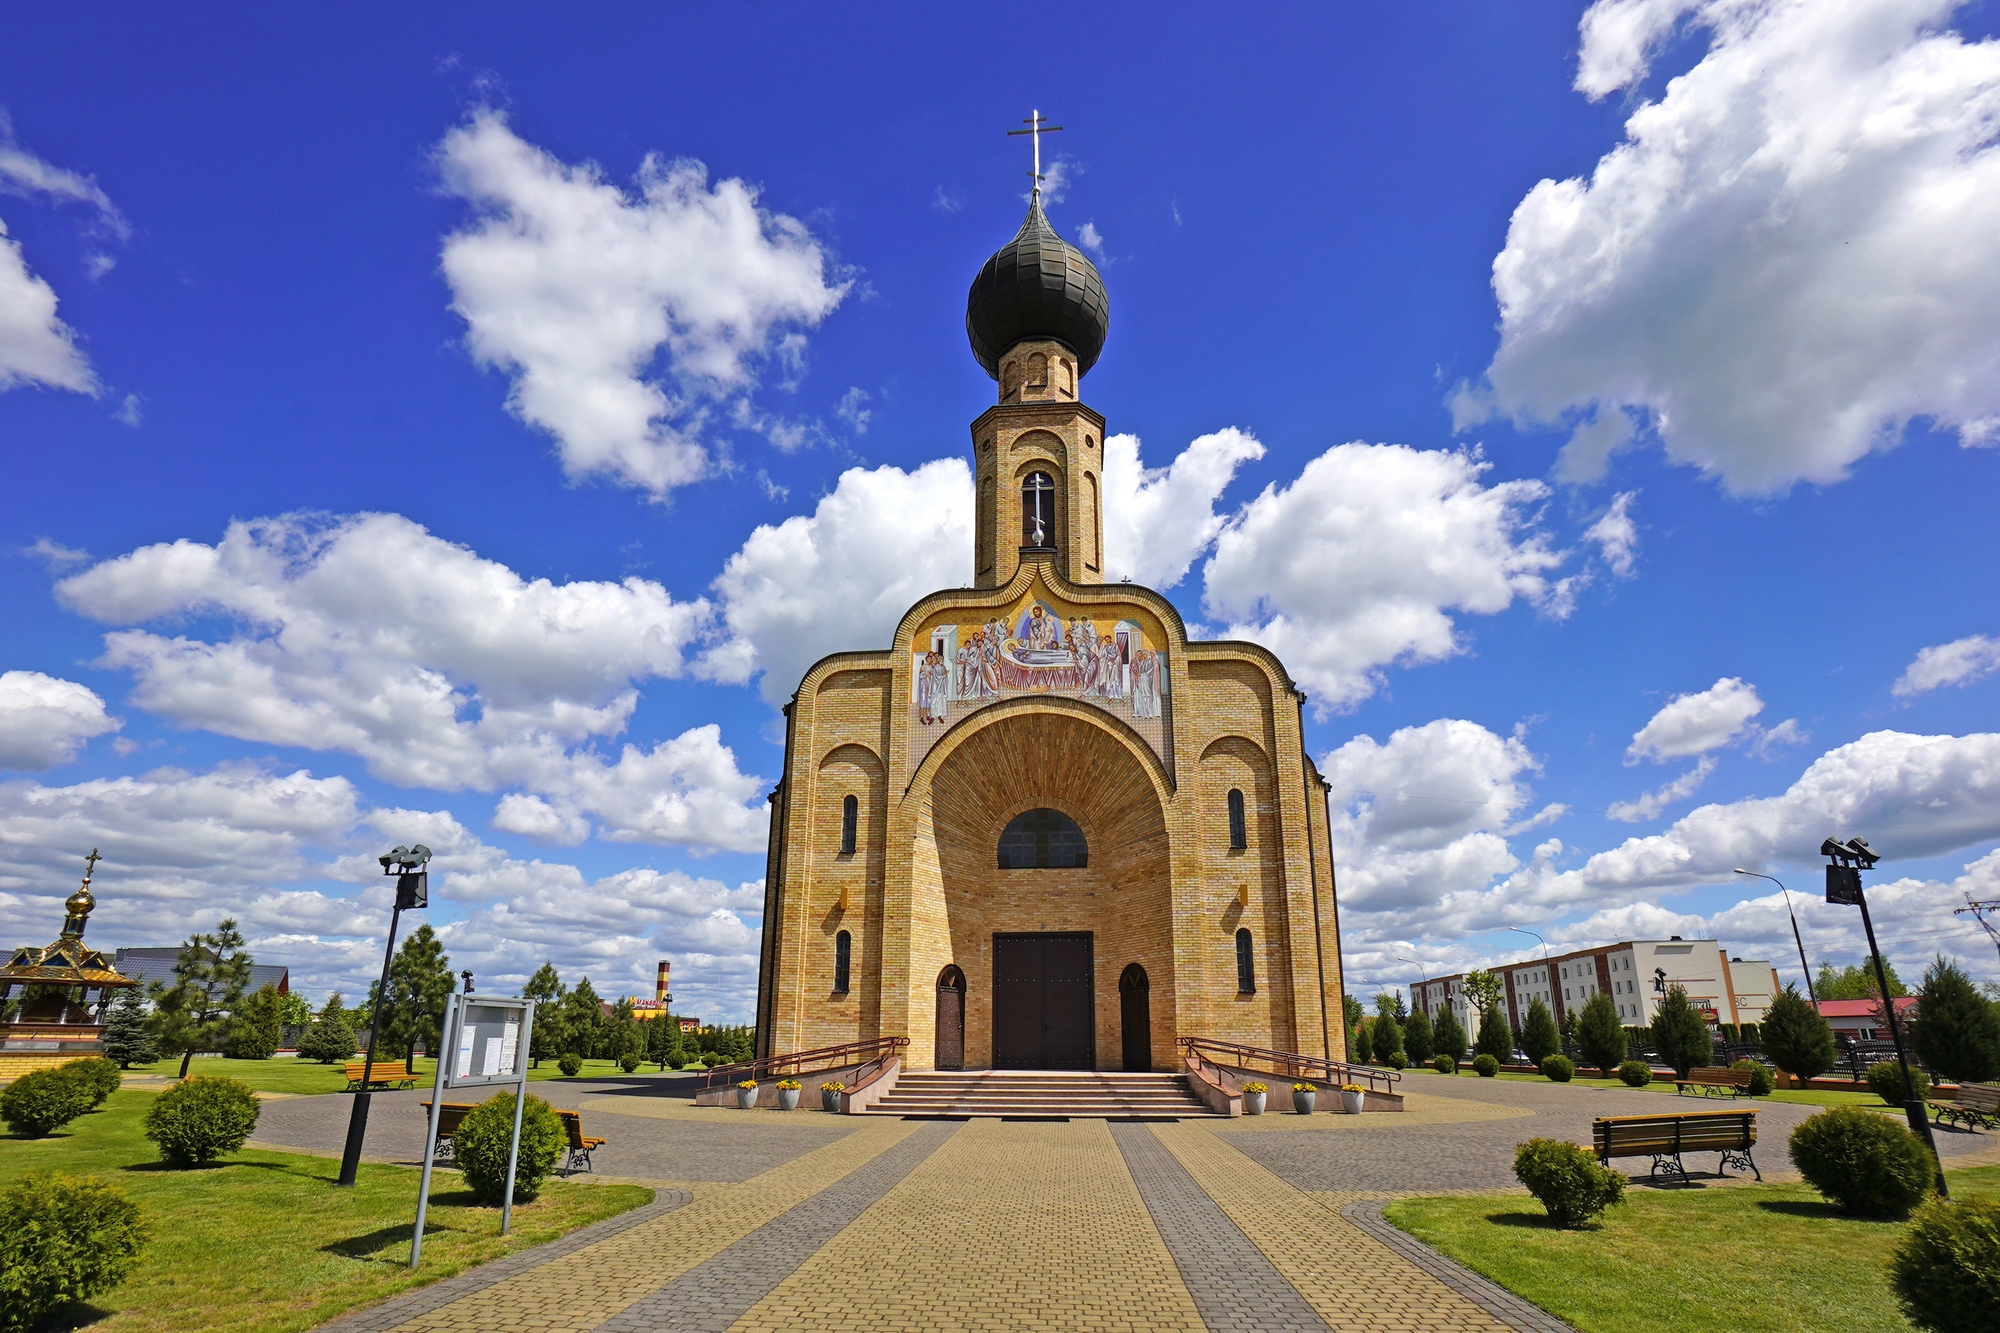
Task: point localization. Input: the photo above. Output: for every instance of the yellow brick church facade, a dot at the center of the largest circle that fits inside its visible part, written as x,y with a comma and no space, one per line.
1043,828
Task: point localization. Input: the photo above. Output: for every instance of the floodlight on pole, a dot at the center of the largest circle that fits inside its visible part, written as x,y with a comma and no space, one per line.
1846,861
1797,939
407,864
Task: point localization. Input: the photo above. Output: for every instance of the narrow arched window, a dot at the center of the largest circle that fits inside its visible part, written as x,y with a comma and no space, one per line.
1246,964
1239,836
850,819
1043,840
1038,511
843,959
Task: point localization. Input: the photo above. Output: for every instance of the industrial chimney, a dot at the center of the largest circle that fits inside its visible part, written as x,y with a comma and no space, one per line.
660,985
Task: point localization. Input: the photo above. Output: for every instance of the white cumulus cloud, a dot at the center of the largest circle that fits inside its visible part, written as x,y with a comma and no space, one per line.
1361,561
1794,252
1158,521
1692,724
1959,662
35,346
1652,802
44,721
1616,535
578,287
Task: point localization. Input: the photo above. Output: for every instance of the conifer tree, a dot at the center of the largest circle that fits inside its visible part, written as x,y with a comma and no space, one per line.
583,1019
1956,1032
1796,1038
1539,1037
209,976
1419,1043
420,981
1680,1033
1600,1034
549,1039
330,1036
1387,1036
1495,1037
1448,1036
126,1038
258,1025
1361,1046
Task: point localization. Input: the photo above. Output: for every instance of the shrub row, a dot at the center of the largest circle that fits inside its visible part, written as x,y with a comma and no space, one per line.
43,1101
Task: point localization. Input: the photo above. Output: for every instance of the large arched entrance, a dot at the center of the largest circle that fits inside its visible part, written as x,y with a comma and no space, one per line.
1050,853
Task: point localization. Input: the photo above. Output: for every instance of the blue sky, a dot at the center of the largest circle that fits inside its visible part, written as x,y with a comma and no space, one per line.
466,425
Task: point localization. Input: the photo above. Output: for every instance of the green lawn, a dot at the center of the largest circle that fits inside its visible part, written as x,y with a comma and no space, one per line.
1814,1097
266,1242
305,1077
1753,1258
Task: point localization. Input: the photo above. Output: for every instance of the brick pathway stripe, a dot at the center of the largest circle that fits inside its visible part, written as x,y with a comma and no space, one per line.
715,1293
1488,1295
410,1305
1236,1289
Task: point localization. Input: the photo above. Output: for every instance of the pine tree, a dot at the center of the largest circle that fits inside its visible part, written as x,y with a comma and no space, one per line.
1387,1037
1495,1037
126,1038
1600,1035
1448,1036
1419,1043
420,981
583,1019
258,1027
330,1037
1680,1033
209,976
1796,1038
1539,1037
1361,1046
1956,1032
549,1036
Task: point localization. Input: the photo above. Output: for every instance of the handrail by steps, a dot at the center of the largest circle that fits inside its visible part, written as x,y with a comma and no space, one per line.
872,1051
1290,1064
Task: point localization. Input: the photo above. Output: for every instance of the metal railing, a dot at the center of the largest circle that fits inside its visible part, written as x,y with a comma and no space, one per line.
1289,1064
864,1053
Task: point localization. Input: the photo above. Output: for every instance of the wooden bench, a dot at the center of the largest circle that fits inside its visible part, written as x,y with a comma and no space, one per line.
1976,1105
581,1145
385,1074
449,1119
1665,1137
1715,1082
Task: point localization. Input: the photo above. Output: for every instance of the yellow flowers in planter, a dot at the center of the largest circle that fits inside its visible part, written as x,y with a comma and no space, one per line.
789,1085
834,1086
747,1083
1253,1087
1305,1087
1352,1087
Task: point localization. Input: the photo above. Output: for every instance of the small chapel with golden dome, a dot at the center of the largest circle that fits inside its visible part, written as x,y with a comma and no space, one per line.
1042,828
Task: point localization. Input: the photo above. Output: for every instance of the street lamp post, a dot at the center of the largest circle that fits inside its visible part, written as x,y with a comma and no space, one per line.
412,891
1843,885
1804,966
1544,943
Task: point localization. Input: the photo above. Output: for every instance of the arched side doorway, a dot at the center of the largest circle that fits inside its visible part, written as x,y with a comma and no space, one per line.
1135,1011
951,1018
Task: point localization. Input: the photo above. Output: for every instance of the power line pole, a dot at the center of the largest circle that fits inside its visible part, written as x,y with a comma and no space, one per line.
1977,910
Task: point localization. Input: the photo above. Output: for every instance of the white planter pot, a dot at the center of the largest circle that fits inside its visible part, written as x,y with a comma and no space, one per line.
746,1098
1350,1102
1253,1103
829,1101
1302,1102
788,1099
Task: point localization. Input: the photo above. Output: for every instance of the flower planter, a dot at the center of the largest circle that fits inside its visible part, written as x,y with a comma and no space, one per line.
1350,1102
1302,1102
829,1101
788,1099
1253,1103
746,1098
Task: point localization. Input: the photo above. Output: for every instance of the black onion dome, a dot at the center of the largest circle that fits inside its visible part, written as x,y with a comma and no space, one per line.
1037,286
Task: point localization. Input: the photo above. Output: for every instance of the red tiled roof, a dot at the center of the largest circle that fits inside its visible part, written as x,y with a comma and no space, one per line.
1862,1008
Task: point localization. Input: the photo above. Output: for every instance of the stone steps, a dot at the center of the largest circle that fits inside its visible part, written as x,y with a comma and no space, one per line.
1039,1093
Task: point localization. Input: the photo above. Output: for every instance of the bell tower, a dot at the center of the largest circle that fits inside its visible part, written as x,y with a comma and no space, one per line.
1036,318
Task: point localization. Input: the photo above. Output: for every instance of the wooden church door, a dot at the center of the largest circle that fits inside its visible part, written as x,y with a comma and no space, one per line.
951,1019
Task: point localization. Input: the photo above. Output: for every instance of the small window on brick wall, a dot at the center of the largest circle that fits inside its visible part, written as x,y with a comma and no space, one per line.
843,958
850,820
1239,834
1246,964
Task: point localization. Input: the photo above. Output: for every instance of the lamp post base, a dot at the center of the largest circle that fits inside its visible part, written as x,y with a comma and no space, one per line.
357,1130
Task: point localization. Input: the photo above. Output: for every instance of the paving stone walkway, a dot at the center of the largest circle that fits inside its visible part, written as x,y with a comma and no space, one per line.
768,1221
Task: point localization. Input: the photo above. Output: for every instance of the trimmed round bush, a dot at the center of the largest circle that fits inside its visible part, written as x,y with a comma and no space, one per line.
1397,1060
1866,1163
481,1147
201,1119
1567,1180
44,1100
710,1059
1485,1065
1760,1077
1885,1080
100,1075
1635,1073
1946,1269
1444,1064
628,1062
62,1239
1558,1068
571,1065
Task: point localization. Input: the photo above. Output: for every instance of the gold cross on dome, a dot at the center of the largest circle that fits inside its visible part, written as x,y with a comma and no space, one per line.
90,865
1038,125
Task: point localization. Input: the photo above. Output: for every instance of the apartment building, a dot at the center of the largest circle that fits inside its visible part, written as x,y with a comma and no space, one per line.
1636,974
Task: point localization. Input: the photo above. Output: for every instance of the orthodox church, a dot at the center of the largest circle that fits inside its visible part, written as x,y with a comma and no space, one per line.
1043,829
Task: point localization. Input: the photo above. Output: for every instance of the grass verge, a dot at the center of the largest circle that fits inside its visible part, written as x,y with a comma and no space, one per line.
307,1077
265,1242
1811,1097
1755,1258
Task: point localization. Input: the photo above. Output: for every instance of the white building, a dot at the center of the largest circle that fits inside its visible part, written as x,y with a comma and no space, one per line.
1636,974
